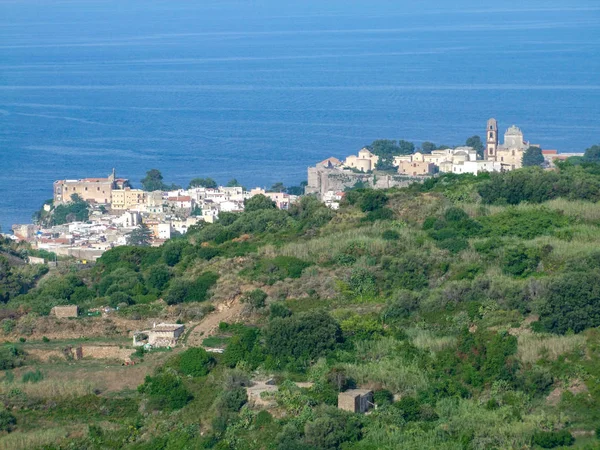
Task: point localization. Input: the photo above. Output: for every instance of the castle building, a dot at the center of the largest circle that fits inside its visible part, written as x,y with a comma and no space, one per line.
93,190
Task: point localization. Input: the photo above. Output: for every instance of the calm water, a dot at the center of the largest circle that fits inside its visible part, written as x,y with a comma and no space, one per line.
259,90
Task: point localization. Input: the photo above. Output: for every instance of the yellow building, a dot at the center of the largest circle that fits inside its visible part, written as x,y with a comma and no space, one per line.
123,199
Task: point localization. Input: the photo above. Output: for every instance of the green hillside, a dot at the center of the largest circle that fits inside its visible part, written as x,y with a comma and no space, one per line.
469,305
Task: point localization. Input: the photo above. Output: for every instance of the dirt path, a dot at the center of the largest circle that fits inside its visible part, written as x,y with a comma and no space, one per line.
225,312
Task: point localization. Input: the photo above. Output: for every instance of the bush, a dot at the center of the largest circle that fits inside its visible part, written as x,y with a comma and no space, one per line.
7,421
232,399
11,357
256,298
195,362
571,303
552,439
302,336
331,429
165,391
520,261
279,310
383,397
390,235
191,291
278,268
33,376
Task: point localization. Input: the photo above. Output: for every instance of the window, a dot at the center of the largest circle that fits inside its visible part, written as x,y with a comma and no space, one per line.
491,135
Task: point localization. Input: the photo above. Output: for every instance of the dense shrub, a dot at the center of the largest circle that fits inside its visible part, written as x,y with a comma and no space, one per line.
572,302
255,298
11,357
7,421
302,336
332,428
520,261
195,362
196,290
243,346
552,439
165,391
278,268
526,224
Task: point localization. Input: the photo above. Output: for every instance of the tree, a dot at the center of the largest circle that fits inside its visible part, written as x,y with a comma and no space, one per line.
256,298
208,183
303,336
592,154
195,362
233,183
259,202
295,190
427,147
475,142
406,147
533,157
153,181
140,237
278,187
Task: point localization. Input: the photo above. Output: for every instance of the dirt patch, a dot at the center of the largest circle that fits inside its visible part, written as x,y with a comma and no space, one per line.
575,387
225,312
87,351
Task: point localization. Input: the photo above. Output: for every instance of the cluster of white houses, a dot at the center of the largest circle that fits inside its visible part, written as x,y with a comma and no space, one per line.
116,210
498,157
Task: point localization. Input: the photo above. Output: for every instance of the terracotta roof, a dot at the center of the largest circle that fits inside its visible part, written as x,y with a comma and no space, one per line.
186,198
549,152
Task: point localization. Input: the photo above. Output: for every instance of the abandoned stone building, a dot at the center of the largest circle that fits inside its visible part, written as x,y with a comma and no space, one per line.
161,335
63,312
356,400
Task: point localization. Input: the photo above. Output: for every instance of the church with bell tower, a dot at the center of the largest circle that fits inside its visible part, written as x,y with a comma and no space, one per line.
509,154
492,139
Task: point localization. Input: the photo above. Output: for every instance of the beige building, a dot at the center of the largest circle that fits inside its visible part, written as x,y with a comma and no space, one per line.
509,154
93,190
365,161
416,168
122,199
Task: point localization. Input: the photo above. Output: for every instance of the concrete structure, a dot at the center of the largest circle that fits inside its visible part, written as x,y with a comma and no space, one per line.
63,312
356,400
92,190
161,335
24,232
123,199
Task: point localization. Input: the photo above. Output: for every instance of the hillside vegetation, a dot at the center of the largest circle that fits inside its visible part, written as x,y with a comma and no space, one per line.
469,305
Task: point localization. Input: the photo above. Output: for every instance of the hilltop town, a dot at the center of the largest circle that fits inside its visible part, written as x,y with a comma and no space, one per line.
404,164
112,209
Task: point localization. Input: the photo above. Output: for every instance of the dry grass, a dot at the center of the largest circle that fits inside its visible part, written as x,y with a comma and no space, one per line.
33,439
532,347
50,389
427,340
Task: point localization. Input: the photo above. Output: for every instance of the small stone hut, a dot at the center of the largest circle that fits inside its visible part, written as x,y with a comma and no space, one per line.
63,312
356,400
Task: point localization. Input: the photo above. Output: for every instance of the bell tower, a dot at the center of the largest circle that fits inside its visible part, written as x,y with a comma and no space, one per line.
492,139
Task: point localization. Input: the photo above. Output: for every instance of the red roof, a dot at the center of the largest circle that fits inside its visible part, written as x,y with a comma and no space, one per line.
549,152
185,198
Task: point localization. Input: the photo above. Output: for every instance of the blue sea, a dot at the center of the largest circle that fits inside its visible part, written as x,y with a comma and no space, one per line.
259,90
